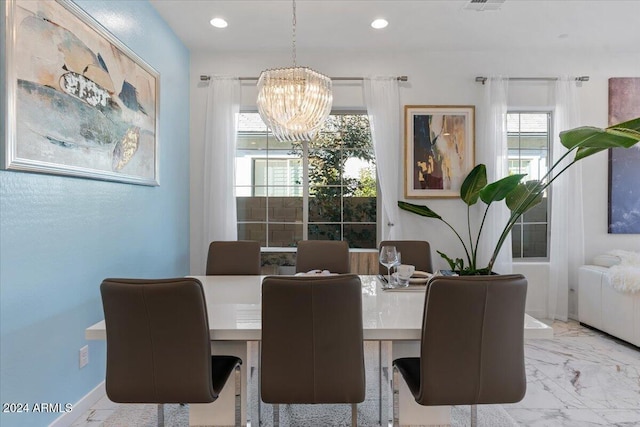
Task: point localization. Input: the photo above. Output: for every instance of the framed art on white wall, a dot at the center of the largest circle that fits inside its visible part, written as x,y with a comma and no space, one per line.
439,149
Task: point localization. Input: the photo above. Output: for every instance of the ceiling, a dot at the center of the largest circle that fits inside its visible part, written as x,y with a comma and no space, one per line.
426,25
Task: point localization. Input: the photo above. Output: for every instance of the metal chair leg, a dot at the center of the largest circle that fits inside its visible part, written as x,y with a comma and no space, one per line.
160,415
259,384
238,396
395,382
354,415
276,415
474,415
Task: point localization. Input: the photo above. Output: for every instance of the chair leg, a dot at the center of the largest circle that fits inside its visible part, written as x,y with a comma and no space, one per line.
160,415
259,384
474,415
276,415
354,415
238,395
395,383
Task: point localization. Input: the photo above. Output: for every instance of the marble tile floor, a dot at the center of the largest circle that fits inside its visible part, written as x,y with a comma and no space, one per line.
580,378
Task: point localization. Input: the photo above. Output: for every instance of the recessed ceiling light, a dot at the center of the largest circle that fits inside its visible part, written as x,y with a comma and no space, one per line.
379,23
219,23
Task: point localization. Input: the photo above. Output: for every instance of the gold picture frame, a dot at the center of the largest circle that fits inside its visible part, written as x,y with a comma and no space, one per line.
76,100
439,149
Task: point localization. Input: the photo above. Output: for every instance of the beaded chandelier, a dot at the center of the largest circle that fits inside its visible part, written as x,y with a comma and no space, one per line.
294,102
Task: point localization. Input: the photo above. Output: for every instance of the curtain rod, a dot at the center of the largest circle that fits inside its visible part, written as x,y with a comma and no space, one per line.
480,79
399,78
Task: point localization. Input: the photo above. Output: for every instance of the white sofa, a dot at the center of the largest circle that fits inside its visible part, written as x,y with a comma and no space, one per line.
605,308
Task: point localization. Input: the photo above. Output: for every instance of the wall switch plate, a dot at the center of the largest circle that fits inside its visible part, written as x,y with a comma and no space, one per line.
84,356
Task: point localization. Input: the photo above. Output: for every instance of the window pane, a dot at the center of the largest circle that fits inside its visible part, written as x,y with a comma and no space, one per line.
252,208
325,205
360,209
538,213
285,209
253,232
325,167
528,138
291,191
516,241
360,235
246,174
535,240
324,232
284,235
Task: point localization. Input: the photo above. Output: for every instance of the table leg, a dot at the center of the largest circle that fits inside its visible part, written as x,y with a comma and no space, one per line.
384,383
410,412
222,411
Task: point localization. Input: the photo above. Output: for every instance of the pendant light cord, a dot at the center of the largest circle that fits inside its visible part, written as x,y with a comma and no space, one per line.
294,35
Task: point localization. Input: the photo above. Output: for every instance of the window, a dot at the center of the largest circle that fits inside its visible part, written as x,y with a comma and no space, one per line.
528,138
322,190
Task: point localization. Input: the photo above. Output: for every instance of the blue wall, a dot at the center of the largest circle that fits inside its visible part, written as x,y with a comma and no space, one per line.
60,236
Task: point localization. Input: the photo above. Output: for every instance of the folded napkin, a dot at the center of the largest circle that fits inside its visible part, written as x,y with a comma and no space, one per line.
317,273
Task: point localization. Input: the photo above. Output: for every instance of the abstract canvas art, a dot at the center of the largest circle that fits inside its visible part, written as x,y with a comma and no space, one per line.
624,165
78,101
439,149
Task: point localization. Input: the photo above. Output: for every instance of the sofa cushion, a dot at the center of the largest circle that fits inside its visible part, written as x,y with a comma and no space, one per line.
606,260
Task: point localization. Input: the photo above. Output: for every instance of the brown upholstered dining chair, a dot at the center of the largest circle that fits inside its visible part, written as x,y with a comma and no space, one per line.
413,252
312,349
472,346
232,258
158,345
332,255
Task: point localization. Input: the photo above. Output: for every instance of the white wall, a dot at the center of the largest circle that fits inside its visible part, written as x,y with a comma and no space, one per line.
441,78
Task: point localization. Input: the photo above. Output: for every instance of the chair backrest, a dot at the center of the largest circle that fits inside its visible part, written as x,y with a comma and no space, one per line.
472,349
158,345
234,258
312,349
413,252
332,255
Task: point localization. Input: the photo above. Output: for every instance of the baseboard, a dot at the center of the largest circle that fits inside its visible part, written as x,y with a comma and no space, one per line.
80,407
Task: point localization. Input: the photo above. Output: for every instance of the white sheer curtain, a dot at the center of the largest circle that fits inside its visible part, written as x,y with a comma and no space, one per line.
566,251
382,100
223,106
491,150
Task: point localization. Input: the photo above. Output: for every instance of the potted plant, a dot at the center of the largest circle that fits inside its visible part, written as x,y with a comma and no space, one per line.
522,196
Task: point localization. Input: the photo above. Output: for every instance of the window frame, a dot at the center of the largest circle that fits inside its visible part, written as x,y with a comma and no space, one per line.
550,132
305,223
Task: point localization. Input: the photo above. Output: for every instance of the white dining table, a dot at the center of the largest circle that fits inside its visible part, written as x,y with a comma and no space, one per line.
234,310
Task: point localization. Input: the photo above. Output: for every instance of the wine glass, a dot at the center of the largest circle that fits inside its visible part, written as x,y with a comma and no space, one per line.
397,263
388,258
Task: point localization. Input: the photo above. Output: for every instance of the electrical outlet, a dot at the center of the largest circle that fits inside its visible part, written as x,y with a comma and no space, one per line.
84,356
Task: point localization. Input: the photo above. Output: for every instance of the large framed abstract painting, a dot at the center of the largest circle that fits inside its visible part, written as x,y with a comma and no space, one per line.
624,165
439,149
76,100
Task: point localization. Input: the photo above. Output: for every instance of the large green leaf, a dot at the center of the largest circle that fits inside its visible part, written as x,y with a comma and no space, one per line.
591,140
473,183
525,196
500,189
418,209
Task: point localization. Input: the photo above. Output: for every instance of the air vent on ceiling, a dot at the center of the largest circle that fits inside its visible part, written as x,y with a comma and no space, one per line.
481,5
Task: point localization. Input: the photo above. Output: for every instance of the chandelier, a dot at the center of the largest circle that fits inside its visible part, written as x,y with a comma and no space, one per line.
294,102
